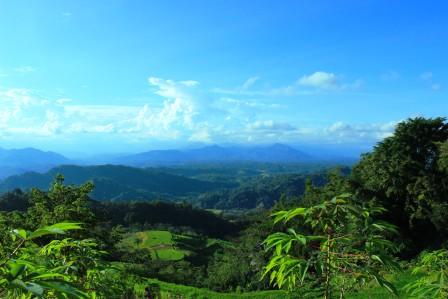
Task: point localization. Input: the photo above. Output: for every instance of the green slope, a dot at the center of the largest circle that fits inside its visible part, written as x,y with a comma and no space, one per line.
114,182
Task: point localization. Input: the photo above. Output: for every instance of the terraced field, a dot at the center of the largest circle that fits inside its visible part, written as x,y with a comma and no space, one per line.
160,244
167,246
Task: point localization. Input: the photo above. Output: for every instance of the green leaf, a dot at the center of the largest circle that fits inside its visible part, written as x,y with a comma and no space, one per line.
16,269
20,233
58,228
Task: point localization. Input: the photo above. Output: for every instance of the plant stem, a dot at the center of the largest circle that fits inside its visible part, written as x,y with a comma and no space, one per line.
13,253
327,269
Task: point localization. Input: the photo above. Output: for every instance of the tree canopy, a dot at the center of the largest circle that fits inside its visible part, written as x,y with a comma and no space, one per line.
406,174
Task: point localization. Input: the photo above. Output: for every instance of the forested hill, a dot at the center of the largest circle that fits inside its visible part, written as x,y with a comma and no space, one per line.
262,192
116,182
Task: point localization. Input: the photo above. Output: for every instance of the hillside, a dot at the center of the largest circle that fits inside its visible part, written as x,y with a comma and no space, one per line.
262,192
17,161
116,182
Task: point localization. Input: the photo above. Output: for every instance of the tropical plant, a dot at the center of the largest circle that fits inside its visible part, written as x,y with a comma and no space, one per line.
433,267
340,245
24,273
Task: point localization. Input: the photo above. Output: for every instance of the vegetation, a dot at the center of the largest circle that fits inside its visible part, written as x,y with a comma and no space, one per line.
160,244
433,269
378,231
117,182
405,173
340,245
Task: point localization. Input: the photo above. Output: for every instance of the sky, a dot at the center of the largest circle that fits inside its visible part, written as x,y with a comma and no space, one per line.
126,76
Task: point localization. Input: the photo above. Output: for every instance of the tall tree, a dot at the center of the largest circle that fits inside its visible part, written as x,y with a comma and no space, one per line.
61,203
404,175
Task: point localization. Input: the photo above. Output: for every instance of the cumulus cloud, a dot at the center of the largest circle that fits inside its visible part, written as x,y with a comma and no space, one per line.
327,81
270,125
320,80
372,132
177,111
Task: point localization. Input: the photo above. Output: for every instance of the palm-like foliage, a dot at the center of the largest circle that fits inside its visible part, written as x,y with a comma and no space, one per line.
434,283
24,273
339,244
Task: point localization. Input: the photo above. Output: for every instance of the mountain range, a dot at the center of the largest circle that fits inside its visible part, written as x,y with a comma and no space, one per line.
17,161
276,153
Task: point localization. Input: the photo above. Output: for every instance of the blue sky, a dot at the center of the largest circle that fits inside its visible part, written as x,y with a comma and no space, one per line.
122,76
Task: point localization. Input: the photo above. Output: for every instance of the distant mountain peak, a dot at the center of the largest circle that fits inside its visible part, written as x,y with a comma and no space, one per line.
16,161
215,153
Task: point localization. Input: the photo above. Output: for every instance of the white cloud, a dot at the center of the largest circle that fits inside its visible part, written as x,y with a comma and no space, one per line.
344,132
178,111
251,104
51,125
202,135
270,125
249,82
320,80
327,81
63,101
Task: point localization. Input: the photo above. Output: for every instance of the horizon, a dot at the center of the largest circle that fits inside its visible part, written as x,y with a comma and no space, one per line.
125,78
315,153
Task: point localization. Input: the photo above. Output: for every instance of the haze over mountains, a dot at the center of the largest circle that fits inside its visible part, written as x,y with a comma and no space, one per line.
19,161
276,153
16,161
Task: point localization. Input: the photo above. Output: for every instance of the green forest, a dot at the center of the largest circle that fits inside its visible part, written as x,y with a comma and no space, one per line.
375,229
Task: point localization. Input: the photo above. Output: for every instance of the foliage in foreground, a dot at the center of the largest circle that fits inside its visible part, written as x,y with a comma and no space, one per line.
340,246
37,266
30,270
433,266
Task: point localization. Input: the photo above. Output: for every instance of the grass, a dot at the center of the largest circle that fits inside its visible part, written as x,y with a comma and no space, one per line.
372,291
167,246
160,244
169,290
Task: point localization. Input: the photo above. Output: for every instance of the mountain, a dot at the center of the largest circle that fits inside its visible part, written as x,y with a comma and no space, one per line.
278,153
17,161
114,182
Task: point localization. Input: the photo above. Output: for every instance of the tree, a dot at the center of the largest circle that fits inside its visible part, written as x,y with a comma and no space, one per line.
443,158
61,203
337,182
15,200
339,245
404,175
